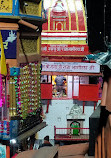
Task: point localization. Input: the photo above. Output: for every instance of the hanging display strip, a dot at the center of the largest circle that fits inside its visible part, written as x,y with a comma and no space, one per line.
2,98
2,92
25,91
4,130
12,94
38,83
1,102
17,95
30,89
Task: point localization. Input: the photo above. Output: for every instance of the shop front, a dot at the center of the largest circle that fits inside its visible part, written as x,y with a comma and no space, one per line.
65,78
20,106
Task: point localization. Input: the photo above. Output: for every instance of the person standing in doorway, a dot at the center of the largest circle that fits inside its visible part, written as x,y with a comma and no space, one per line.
60,82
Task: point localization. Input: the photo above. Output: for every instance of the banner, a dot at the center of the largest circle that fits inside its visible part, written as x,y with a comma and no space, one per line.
9,42
4,130
3,67
14,124
70,67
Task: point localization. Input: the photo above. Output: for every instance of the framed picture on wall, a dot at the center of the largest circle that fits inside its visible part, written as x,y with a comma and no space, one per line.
45,79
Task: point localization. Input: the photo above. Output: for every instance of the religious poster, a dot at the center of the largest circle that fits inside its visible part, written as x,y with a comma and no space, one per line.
59,86
2,151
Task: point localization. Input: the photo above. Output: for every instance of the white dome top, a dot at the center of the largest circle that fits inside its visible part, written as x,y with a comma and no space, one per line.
59,7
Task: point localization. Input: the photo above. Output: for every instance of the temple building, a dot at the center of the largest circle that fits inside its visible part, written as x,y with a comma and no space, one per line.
67,80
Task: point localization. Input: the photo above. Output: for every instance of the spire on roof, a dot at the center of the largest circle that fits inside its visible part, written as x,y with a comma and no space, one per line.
59,6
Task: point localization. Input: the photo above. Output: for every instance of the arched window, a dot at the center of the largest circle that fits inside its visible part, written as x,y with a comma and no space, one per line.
76,126
59,26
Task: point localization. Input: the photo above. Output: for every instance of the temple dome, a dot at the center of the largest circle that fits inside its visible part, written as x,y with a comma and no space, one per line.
70,13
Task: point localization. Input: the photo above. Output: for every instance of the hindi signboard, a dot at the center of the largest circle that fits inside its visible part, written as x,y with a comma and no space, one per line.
70,67
64,49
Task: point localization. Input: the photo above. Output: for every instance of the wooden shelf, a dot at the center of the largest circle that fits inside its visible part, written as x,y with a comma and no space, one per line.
28,58
30,132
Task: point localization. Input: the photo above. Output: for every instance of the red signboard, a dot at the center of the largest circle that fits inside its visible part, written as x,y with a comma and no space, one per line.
88,92
46,91
64,49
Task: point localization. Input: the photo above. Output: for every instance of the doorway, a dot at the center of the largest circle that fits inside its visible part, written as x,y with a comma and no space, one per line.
59,86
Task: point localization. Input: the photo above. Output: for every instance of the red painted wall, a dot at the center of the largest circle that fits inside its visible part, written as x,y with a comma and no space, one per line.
46,91
88,92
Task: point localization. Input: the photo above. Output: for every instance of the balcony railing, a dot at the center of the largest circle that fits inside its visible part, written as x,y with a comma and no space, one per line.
71,134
